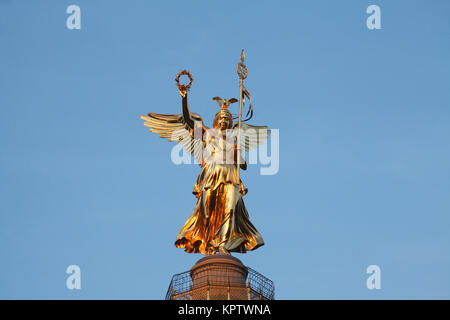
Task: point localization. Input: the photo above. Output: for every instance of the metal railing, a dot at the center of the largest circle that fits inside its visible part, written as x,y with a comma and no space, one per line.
226,287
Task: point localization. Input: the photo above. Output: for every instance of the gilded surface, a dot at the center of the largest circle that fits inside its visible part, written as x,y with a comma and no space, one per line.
219,221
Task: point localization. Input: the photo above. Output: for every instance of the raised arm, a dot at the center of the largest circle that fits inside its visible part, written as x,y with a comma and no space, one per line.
185,107
193,122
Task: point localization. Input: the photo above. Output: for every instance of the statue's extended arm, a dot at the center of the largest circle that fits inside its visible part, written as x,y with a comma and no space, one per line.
193,122
186,113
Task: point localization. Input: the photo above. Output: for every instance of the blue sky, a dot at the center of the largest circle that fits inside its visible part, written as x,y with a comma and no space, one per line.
364,143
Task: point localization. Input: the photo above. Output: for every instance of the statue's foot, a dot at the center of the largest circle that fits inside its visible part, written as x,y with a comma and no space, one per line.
224,251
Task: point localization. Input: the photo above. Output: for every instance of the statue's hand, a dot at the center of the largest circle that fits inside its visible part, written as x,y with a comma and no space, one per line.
242,189
183,91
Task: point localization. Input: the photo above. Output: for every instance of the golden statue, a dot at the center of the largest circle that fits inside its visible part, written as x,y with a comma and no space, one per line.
219,221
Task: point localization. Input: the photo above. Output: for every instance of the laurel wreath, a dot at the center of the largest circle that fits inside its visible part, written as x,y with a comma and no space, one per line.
184,86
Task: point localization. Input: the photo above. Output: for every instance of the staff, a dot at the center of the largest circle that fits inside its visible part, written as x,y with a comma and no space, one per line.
242,73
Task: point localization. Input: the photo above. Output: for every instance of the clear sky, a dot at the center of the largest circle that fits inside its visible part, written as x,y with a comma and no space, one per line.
364,120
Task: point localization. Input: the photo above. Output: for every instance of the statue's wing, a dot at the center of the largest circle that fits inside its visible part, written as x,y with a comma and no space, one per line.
174,128
252,136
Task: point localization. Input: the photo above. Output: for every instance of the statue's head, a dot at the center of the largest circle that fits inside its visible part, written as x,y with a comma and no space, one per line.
223,119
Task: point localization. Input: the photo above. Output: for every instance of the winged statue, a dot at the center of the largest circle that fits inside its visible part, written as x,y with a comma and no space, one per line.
219,222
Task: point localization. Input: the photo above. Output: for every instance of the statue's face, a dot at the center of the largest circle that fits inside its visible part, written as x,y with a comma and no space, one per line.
223,123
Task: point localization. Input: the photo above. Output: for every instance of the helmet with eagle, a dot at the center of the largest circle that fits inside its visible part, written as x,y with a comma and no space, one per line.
223,118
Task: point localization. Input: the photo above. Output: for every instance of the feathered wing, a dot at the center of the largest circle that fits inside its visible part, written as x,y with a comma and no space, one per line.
175,128
252,136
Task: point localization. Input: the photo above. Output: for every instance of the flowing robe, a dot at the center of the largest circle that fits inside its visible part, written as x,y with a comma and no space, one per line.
219,219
